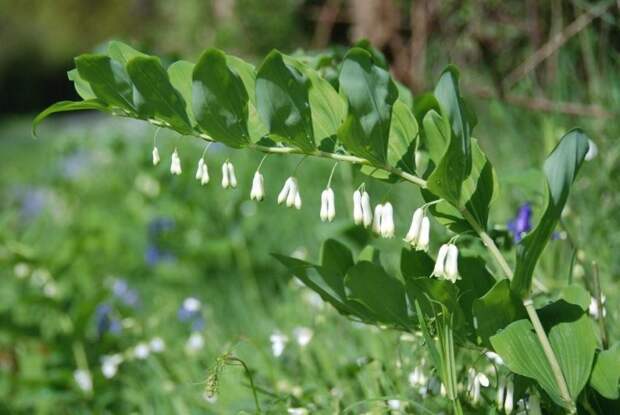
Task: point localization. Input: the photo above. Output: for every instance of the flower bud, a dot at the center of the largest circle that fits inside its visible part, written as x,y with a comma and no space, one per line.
425,235
376,224
231,174
204,178
414,230
331,205
451,268
387,221
225,176
175,164
438,271
156,158
199,170
282,196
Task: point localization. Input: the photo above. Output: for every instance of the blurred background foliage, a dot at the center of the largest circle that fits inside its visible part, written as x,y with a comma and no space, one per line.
82,208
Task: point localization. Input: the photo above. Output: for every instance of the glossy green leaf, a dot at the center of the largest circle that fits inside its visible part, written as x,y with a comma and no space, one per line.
475,282
64,106
368,284
370,93
437,134
496,309
336,257
154,96
220,100
414,264
180,74
283,103
455,165
402,138
606,372
81,86
477,193
431,293
107,79
561,168
327,107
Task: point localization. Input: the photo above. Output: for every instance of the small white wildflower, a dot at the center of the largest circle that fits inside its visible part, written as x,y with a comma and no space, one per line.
417,377
191,304
452,270
204,177
483,380
509,401
494,357
21,270
232,177
297,411
592,150
109,365
425,235
358,216
283,195
157,345
201,163
440,262
446,265
593,308
366,210
278,343
194,343
376,223
175,163
303,335
83,379
414,230
141,351
156,158
501,389
387,221
297,202
258,190
328,208
394,404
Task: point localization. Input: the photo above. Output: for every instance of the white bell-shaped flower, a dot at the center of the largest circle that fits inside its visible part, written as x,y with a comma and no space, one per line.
204,177
175,163
366,210
328,209
509,400
387,221
416,224
451,269
501,390
358,216
201,163
292,194
425,235
297,202
440,262
231,175
376,223
156,158
225,176
283,195
258,190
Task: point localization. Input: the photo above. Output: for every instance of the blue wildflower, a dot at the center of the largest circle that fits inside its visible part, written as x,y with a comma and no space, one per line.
522,223
189,312
126,295
105,321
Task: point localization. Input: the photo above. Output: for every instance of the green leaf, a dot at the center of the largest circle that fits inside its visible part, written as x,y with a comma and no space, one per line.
437,135
220,100
282,102
606,372
573,340
402,138
64,106
180,74
496,309
414,264
327,107
475,282
370,93
430,293
561,168
122,52
477,193
154,95
107,79
81,86
247,73
384,295
455,165
336,257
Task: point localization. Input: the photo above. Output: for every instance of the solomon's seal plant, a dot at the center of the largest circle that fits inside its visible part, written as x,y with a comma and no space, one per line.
458,298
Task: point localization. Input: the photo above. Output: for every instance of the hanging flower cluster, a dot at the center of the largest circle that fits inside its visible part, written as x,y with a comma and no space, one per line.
381,221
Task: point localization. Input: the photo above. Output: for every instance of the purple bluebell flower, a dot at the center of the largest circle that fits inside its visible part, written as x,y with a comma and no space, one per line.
159,225
105,321
522,223
33,201
126,295
154,255
189,312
